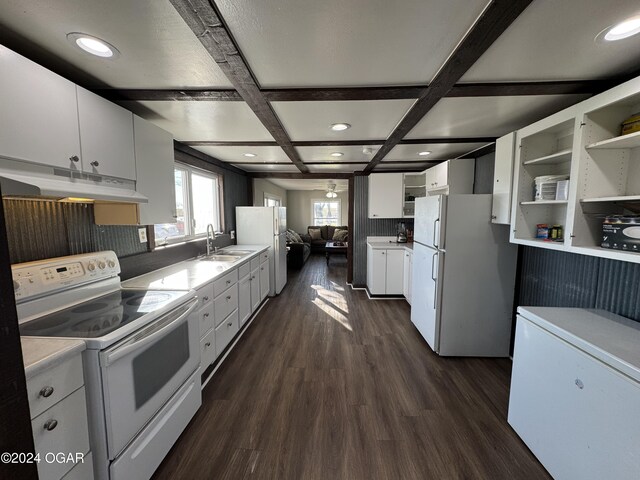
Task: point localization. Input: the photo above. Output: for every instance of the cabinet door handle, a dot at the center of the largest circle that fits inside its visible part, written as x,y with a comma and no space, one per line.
46,392
208,344
383,253
74,158
206,299
205,315
230,324
95,163
228,297
228,282
51,424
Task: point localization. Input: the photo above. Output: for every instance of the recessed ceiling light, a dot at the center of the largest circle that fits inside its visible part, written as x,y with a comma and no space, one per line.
622,30
250,155
93,45
338,127
337,154
424,154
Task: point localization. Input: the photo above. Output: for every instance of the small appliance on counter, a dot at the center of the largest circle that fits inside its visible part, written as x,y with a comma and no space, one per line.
401,233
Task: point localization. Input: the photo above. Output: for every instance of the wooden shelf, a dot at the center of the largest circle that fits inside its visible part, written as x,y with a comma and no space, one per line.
415,186
554,158
538,242
545,202
627,198
631,140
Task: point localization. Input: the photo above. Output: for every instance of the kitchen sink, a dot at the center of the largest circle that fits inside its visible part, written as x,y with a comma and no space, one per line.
221,258
240,253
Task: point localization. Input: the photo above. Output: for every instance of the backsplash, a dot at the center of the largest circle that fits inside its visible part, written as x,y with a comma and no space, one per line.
43,229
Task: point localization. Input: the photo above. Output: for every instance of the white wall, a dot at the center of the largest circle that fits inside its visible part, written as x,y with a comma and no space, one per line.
299,208
262,186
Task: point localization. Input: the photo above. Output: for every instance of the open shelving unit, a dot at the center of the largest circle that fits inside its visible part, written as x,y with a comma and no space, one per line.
544,148
414,186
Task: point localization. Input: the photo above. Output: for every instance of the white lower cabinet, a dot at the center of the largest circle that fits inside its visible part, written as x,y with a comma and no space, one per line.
207,350
255,289
385,271
226,331
244,300
577,414
264,280
59,422
407,275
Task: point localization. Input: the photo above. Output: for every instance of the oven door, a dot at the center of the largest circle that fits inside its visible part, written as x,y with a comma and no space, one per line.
140,373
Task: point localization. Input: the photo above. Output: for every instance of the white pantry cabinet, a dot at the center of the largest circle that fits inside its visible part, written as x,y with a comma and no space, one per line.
503,179
386,195
385,271
106,133
575,392
38,114
450,177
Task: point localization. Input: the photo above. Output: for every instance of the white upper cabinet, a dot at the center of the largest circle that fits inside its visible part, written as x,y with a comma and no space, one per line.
38,114
450,177
154,172
385,195
502,179
106,133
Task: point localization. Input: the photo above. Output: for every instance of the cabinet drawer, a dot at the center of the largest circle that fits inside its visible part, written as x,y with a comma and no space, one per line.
205,294
225,304
69,435
264,256
56,383
255,263
244,270
207,351
205,318
82,470
224,282
226,331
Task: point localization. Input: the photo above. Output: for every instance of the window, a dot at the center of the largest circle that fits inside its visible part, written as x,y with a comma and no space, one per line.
325,212
271,200
197,205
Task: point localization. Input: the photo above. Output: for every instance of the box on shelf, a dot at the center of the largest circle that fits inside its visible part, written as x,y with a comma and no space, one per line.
562,190
631,124
546,186
621,232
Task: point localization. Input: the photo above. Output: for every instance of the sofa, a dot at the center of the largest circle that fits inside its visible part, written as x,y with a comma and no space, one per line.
298,250
326,234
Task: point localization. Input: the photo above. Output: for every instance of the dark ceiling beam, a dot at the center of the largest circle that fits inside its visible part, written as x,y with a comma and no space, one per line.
394,162
495,19
208,26
311,176
494,89
339,143
480,151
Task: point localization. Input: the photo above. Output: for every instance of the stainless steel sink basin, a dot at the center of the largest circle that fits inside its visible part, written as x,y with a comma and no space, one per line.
240,253
221,258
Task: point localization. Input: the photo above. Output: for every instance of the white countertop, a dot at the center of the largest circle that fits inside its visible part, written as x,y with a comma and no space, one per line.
40,354
613,339
388,243
190,274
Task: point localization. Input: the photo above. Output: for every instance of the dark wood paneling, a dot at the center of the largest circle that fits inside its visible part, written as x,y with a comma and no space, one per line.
492,23
335,175
508,89
208,26
340,143
208,143
187,95
191,156
326,384
15,420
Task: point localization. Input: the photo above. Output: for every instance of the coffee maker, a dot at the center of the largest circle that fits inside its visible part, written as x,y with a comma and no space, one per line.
401,233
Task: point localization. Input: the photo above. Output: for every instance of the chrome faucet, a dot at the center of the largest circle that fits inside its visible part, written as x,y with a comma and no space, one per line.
210,238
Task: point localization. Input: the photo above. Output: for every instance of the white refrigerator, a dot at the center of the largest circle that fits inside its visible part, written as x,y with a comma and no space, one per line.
463,276
266,226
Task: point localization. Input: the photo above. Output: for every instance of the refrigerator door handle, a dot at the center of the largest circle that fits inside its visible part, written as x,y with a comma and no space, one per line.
435,223
435,279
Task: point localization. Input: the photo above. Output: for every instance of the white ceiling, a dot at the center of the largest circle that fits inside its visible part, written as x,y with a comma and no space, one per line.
554,40
302,184
307,43
158,50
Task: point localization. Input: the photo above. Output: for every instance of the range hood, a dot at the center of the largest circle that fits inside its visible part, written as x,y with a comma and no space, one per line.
21,179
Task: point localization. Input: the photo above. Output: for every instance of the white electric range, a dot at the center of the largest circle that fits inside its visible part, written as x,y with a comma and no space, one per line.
142,357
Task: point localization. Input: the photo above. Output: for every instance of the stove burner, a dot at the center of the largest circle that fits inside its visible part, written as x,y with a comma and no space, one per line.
93,327
89,307
148,299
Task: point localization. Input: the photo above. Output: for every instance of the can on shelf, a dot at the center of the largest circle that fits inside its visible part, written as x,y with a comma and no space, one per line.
555,233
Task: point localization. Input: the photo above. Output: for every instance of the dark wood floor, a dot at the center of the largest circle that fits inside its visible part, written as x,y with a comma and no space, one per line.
327,384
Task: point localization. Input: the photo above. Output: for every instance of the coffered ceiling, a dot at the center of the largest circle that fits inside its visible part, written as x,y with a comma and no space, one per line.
231,77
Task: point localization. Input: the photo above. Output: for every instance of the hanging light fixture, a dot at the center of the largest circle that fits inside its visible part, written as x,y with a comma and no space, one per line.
331,191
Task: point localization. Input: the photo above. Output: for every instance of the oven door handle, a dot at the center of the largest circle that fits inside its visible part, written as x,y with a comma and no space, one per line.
149,334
